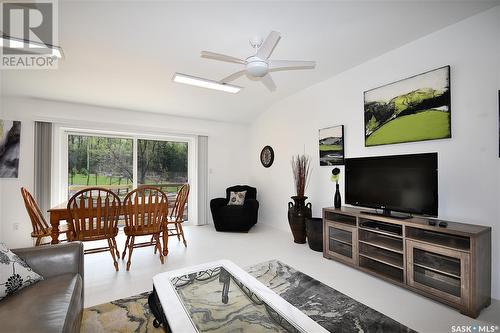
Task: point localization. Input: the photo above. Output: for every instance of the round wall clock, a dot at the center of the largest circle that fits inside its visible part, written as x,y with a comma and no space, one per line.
267,156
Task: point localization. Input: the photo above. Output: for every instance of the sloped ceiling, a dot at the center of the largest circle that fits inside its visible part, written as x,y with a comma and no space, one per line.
124,53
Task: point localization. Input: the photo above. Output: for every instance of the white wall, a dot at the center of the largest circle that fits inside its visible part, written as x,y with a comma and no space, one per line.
469,184
227,149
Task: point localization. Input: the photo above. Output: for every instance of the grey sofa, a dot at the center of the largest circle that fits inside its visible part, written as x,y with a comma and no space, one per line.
54,304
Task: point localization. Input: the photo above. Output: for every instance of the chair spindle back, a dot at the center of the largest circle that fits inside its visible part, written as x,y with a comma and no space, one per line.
38,222
146,209
94,213
177,212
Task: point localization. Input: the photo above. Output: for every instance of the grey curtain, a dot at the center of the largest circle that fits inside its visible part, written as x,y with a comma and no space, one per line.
43,165
202,180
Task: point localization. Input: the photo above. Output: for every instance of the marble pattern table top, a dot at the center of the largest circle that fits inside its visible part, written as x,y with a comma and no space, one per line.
221,297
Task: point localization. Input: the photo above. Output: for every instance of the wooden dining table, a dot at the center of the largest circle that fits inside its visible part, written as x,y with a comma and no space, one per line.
60,213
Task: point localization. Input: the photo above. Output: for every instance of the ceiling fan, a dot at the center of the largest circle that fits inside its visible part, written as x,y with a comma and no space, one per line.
259,65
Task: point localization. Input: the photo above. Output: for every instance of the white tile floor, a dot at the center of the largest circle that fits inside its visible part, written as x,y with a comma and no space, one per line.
103,283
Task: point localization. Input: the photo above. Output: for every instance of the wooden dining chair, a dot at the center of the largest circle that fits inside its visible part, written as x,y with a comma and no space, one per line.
41,229
94,214
145,209
176,216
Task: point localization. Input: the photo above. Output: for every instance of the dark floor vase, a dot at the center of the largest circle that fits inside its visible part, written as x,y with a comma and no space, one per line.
314,231
297,214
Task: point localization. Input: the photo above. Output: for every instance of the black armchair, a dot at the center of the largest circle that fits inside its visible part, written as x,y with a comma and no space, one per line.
235,218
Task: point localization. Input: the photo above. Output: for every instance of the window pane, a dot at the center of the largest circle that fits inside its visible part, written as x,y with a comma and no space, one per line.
100,161
163,164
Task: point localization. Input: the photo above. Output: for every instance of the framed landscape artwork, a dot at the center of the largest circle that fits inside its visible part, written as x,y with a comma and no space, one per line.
331,146
409,110
10,138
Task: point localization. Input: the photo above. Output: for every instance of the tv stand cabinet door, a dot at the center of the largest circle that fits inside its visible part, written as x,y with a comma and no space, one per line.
439,272
341,242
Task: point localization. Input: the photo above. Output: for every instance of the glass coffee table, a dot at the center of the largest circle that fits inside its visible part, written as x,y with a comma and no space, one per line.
221,297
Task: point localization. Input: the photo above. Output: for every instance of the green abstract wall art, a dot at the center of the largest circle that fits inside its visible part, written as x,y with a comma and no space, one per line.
409,110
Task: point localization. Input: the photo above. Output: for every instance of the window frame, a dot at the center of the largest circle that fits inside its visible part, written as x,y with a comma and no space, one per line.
59,188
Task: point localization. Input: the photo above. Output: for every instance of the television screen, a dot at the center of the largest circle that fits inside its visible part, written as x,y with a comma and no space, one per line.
404,183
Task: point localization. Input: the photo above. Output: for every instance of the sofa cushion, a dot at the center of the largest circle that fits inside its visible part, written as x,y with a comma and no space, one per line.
15,274
52,305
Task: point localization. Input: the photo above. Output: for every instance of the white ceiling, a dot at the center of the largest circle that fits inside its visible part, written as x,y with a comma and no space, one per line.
124,54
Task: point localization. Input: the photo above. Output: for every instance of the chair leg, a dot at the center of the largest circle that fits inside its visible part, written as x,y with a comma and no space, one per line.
165,241
153,238
177,231
130,249
116,248
112,250
158,246
38,241
125,249
181,232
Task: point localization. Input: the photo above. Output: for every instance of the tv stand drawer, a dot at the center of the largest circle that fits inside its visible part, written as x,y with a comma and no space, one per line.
340,242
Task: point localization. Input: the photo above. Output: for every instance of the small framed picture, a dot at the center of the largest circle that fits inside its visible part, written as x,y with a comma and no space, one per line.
331,146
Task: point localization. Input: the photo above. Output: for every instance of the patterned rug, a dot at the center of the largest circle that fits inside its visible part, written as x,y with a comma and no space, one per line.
329,308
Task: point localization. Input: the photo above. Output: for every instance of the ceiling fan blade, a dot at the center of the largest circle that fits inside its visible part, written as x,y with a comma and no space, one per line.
268,45
290,64
233,76
221,57
268,82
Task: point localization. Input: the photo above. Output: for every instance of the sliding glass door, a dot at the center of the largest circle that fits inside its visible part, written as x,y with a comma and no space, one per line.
100,161
163,164
121,163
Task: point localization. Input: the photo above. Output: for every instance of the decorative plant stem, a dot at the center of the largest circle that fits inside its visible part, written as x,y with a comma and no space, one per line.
300,169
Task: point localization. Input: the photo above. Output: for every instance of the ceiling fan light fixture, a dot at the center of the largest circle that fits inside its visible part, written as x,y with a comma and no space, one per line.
256,67
205,83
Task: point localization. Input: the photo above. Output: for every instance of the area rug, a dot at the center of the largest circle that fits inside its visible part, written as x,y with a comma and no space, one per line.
328,307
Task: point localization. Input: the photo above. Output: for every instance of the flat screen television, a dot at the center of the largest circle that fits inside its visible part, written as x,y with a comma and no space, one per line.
402,183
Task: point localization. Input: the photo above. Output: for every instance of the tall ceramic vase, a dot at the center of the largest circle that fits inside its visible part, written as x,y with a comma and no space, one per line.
336,198
298,211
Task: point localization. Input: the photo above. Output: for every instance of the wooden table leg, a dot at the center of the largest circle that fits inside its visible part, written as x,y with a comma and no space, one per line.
54,223
165,242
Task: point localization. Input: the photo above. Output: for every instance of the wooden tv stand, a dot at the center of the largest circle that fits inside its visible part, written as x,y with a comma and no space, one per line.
451,265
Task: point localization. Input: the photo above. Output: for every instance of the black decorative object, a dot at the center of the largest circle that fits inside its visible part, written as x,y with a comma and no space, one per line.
297,214
267,156
314,231
337,201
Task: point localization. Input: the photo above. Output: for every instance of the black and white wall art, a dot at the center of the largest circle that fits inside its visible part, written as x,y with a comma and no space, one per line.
331,145
10,138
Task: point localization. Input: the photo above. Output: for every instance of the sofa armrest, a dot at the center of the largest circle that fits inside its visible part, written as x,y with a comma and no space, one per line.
52,260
